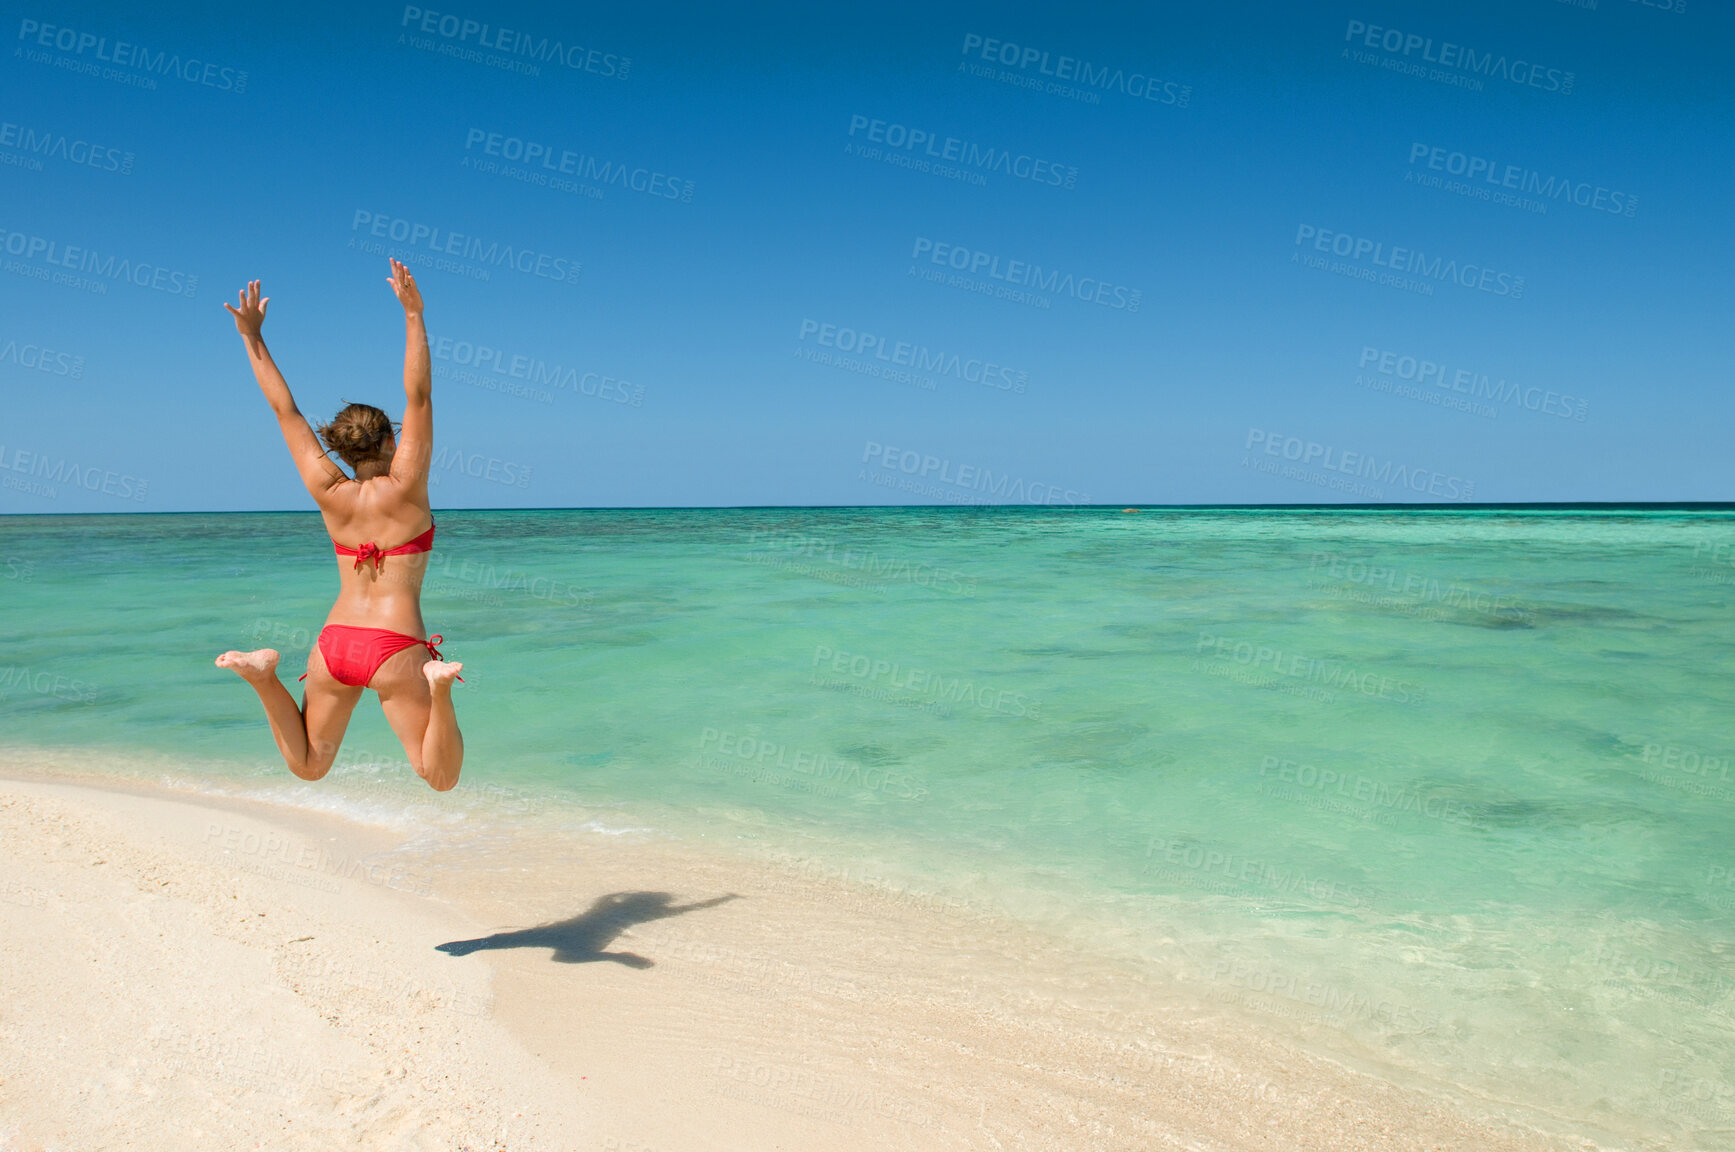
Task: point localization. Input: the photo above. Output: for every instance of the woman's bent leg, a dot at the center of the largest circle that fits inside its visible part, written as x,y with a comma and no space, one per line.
307,736
416,695
443,744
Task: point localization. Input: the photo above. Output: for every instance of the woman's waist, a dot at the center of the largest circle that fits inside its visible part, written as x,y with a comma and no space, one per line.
398,613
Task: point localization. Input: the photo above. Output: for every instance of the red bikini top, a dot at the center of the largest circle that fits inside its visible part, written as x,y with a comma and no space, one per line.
372,551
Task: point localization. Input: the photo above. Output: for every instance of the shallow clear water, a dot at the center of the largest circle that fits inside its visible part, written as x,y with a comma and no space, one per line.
1449,792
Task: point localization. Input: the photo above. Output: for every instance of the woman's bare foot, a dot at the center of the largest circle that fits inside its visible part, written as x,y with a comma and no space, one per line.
250,666
441,673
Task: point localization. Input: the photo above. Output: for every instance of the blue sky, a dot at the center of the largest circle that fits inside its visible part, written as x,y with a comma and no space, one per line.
1329,305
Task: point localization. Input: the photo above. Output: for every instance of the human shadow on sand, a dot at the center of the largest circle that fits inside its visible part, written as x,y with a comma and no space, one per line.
582,939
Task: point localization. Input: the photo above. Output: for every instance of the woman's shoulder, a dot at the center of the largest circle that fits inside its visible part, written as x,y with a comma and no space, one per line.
387,504
339,499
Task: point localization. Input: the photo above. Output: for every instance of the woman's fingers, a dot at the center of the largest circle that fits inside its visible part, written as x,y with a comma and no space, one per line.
403,282
248,304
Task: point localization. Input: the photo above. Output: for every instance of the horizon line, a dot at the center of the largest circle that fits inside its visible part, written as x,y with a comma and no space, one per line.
1526,505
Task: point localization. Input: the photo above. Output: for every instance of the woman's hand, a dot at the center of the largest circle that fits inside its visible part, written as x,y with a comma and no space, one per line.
404,287
251,313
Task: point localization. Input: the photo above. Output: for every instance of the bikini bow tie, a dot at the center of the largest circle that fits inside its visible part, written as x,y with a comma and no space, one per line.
370,551
429,643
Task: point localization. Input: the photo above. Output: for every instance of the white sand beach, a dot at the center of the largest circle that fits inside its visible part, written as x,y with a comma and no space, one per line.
187,971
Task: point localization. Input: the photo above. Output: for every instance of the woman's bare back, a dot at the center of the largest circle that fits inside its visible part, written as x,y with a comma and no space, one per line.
386,513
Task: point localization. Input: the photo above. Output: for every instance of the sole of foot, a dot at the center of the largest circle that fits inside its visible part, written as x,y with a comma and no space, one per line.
250,665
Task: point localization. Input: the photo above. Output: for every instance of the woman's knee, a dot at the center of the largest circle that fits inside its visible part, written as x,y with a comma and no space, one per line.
320,757
311,770
438,784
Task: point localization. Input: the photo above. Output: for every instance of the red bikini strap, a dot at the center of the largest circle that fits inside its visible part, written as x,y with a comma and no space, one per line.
372,551
436,638
429,643
422,543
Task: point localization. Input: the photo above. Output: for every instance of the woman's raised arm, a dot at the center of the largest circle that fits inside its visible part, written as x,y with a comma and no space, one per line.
317,470
416,438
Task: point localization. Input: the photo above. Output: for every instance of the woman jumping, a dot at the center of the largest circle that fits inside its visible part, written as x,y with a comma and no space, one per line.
371,638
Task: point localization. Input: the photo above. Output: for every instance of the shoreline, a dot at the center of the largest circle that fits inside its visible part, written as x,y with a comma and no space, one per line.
631,992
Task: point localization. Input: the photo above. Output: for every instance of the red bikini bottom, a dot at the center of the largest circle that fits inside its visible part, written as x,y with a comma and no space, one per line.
353,655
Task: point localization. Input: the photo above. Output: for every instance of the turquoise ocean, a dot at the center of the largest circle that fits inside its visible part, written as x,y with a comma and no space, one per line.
1448,793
